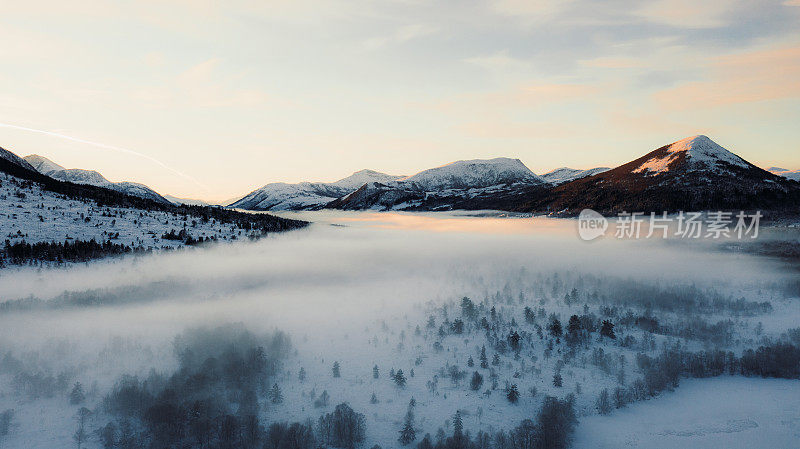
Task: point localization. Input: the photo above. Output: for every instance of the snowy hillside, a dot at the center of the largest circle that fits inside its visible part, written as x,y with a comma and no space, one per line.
32,214
14,159
699,152
307,195
794,175
566,174
91,177
474,173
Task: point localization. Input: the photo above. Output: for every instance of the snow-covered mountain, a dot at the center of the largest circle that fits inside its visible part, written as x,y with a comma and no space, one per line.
14,159
187,201
470,184
475,173
692,174
80,176
307,195
42,164
566,174
696,152
794,175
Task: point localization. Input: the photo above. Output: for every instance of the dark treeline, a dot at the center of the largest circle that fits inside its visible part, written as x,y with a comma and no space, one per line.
69,251
210,401
96,297
663,372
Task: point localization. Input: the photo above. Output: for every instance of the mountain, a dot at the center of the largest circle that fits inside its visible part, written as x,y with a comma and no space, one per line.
187,201
474,173
471,184
794,175
80,176
42,164
566,174
14,159
307,195
692,174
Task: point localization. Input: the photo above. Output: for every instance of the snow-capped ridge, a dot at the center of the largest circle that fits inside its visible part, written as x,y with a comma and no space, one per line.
566,174
699,152
14,159
42,164
794,175
90,177
474,173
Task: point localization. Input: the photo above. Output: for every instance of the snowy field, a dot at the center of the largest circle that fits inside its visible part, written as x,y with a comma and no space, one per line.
385,290
726,413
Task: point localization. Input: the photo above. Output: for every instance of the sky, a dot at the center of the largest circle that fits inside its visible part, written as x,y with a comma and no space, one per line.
211,100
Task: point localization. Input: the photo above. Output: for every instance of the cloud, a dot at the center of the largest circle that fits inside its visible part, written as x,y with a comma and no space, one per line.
401,35
530,10
748,77
688,13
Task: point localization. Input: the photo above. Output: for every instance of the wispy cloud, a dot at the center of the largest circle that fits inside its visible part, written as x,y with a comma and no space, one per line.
746,77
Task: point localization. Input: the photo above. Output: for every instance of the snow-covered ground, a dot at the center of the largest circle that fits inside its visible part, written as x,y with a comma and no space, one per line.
726,412
353,288
32,214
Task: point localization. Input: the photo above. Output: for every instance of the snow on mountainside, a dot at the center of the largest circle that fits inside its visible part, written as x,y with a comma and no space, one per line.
42,164
80,176
472,184
186,201
474,173
14,159
362,177
794,175
566,174
32,214
307,195
692,174
697,151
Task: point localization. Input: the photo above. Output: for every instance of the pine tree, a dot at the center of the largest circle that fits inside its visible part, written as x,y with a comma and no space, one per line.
76,396
302,374
554,327
407,434
607,330
496,360
458,426
476,382
557,382
373,399
375,372
81,435
426,442
275,395
484,360
603,402
513,394
470,362
336,372
400,379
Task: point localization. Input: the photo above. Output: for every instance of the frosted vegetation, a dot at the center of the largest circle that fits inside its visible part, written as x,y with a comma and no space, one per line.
415,330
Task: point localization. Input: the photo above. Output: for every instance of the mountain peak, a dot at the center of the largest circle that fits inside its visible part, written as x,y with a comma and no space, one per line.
474,173
697,152
42,164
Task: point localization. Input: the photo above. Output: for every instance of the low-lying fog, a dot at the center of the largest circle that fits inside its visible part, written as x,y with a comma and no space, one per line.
328,286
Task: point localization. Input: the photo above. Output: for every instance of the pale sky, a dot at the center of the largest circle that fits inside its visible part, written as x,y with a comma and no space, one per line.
219,98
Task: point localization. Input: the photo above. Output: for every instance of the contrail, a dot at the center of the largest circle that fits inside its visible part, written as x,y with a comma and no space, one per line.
102,145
